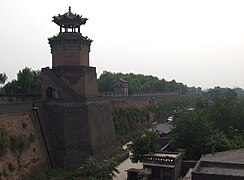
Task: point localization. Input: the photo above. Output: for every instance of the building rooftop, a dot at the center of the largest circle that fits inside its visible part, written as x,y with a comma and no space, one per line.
166,155
121,80
233,156
69,19
228,163
161,159
162,128
223,170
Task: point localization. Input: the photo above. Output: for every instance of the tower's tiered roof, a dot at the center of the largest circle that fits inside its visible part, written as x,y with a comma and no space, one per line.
69,20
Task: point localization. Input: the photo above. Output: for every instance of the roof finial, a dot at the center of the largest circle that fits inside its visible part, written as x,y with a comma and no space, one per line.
69,8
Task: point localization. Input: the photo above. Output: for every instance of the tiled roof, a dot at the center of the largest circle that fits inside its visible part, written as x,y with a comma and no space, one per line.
121,80
232,156
163,128
227,163
69,18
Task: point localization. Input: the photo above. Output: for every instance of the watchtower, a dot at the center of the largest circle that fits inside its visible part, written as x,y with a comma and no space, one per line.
70,48
70,61
75,121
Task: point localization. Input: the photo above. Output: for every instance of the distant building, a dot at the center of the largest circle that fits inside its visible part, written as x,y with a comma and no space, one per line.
163,165
164,129
121,87
220,166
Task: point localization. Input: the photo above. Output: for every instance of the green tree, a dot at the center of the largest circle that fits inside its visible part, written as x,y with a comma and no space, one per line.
127,119
217,93
3,78
227,112
191,132
143,143
216,127
106,82
201,103
28,81
139,83
218,142
93,169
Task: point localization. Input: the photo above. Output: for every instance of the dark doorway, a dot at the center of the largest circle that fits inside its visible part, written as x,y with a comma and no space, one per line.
49,93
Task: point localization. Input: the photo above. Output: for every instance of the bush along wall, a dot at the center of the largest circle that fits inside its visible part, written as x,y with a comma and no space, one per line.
128,120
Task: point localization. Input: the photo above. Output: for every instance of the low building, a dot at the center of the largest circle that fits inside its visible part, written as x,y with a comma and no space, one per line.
121,87
163,165
164,129
133,174
220,166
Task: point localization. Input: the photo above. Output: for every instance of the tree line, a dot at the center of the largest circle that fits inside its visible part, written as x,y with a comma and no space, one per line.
3,78
28,81
129,120
141,83
215,125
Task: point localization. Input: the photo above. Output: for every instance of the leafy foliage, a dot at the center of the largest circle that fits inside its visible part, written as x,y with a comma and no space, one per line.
128,120
140,83
102,170
215,127
3,78
218,93
167,107
17,144
143,143
28,81
191,130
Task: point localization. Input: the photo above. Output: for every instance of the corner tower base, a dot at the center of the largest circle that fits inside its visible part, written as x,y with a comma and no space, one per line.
76,129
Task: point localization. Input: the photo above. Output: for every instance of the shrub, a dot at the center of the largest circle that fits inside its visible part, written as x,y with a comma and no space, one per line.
11,167
24,125
3,141
17,143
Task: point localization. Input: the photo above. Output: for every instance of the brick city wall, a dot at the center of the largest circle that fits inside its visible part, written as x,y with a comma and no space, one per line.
101,127
67,132
141,101
78,129
34,157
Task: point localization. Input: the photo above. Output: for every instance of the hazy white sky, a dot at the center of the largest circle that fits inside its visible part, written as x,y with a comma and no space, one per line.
197,42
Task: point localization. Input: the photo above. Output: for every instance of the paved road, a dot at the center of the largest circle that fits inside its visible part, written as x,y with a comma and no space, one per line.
127,164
